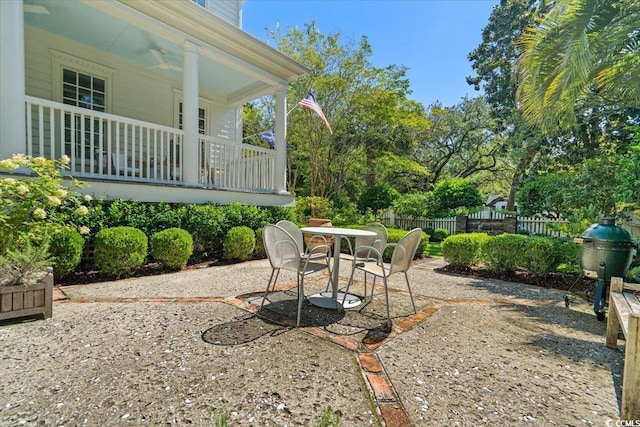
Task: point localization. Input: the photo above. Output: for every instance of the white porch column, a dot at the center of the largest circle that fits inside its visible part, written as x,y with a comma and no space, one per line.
190,164
12,79
281,141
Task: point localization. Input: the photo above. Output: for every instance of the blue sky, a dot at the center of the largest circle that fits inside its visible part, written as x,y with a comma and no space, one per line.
430,37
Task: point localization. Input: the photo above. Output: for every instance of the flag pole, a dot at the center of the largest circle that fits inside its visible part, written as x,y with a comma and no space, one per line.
294,107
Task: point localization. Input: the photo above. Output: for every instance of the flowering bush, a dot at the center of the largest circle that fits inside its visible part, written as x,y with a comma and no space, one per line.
31,205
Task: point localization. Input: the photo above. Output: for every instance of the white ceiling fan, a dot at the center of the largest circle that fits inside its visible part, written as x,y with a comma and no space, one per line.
162,63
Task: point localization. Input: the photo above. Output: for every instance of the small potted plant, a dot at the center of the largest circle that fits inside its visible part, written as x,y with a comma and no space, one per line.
33,202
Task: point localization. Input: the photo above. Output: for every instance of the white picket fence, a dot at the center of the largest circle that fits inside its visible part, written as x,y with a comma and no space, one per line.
533,225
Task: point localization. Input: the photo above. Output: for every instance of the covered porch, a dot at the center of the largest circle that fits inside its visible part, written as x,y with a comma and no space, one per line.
145,98
123,156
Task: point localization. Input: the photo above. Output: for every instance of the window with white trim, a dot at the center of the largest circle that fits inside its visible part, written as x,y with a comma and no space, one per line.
202,119
83,84
83,90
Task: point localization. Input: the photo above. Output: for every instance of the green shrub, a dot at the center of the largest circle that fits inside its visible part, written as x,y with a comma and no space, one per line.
395,234
430,231
377,197
172,247
440,234
66,245
119,250
464,250
541,255
633,275
312,207
239,243
503,252
259,251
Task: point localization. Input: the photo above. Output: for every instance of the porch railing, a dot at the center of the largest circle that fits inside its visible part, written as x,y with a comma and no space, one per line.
105,146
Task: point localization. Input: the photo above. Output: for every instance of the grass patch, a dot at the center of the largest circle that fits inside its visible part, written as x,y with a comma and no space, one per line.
435,249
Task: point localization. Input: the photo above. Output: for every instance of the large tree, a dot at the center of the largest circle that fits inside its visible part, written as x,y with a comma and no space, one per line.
461,141
367,106
493,61
580,49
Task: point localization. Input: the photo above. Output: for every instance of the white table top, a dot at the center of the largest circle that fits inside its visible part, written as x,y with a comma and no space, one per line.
337,231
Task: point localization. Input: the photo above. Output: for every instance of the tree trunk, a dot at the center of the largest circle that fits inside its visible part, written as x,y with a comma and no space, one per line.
523,165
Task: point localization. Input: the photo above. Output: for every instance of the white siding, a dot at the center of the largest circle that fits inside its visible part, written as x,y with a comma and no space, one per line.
137,93
229,10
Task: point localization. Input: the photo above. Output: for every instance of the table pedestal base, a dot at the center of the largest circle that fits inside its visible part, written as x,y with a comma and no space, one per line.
325,300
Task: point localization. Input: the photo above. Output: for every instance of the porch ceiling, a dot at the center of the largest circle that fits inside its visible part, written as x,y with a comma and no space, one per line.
231,62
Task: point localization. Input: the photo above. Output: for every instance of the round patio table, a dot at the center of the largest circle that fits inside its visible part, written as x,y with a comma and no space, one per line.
334,298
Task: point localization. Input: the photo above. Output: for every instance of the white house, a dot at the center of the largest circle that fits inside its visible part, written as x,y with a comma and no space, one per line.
144,96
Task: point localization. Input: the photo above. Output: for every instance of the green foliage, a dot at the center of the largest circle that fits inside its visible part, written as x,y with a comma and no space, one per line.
329,418
239,243
464,250
312,207
395,234
349,214
377,197
503,253
24,264
29,205
119,250
541,255
633,275
429,231
207,224
413,205
452,193
66,246
172,247
367,107
259,251
440,234
545,194
597,44
462,140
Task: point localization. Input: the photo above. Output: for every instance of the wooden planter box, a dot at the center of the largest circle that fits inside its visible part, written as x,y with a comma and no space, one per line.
21,301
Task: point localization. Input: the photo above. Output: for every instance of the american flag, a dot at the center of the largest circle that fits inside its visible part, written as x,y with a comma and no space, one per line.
309,102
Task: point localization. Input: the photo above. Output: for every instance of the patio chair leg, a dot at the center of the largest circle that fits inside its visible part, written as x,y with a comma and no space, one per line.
300,298
386,295
277,272
410,293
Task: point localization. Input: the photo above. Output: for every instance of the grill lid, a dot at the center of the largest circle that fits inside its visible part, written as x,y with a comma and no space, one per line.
607,233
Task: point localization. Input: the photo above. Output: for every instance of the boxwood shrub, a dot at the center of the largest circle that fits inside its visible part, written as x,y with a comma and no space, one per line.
395,234
172,247
239,243
541,255
504,252
66,247
119,250
464,250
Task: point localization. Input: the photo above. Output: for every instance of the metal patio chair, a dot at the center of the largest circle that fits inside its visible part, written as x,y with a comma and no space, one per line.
284,254
401,259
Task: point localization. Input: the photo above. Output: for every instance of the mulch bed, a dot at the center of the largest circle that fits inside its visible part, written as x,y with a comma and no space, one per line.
562,281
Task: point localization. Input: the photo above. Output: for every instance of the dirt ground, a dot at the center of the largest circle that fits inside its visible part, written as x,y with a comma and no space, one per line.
177,349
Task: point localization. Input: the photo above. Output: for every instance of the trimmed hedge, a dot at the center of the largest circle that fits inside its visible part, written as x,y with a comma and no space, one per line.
119,250
503,252
464,250
541,255
66,247
172,247
239,243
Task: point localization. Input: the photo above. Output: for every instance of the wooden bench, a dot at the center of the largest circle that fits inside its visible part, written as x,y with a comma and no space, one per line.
624,313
